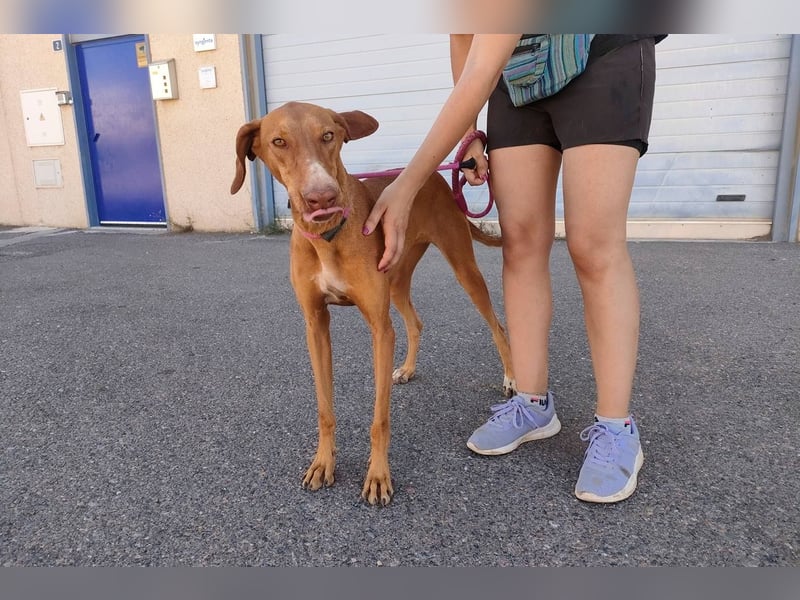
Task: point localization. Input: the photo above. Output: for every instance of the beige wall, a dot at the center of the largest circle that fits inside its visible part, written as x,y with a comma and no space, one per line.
28,62
196,135
197,132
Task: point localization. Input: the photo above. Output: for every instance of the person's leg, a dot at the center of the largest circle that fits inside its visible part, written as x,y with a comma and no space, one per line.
598,180
523,180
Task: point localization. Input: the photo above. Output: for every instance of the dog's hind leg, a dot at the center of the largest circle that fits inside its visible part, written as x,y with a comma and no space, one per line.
461,256
401,298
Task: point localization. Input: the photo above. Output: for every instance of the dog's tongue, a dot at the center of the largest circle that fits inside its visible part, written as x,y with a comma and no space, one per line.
322,212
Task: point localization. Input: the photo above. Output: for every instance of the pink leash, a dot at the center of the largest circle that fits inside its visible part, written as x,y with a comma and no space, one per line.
455,167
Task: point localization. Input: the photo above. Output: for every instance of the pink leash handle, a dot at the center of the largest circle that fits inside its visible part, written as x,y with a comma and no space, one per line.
458,179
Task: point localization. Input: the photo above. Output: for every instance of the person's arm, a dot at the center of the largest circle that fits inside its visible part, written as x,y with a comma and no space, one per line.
459,50
487,55
460,44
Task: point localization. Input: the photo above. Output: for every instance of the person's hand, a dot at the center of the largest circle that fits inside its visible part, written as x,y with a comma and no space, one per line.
480,173
391,210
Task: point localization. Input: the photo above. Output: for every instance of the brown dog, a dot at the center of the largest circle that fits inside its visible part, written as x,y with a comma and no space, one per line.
332,262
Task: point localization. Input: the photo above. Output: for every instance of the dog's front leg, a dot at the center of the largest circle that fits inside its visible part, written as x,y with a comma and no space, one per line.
378,483
318,338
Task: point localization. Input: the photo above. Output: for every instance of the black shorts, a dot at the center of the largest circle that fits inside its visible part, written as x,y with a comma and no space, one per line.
611,102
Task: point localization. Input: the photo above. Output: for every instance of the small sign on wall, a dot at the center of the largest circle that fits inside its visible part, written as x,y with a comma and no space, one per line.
208,77
42,117
204,41
141,55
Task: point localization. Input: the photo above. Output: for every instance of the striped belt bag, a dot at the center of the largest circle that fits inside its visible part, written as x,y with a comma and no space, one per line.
543,64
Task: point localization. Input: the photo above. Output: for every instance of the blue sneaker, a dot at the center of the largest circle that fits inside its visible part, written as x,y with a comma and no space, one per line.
610,464
513,423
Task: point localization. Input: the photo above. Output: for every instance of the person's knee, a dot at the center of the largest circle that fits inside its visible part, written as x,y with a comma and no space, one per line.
522,245
593,256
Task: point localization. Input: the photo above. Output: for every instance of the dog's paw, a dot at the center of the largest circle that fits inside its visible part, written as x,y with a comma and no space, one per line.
378,486
509,386
402,375
320,471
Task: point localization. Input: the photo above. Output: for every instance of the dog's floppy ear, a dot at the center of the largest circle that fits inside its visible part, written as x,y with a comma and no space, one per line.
358,124
246,140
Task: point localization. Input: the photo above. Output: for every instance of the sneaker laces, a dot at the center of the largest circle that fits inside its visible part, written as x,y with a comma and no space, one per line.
514,411
603,444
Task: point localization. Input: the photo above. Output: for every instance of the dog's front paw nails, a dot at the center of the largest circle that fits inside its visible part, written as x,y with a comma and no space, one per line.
320,471
509,386
402,375
378,487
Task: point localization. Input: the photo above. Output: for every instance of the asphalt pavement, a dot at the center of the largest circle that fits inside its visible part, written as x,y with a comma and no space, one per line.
157,408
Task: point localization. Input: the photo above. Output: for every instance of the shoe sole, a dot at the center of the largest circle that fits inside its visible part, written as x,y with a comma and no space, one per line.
549,430
624,493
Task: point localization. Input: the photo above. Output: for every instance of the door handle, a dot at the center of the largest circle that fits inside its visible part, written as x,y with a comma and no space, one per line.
96,137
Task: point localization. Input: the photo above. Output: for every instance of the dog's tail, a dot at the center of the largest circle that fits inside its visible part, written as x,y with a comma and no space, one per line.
483,236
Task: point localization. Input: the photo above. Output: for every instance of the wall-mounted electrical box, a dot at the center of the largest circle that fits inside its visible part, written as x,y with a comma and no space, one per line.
47,173
43,125
63,97
163,81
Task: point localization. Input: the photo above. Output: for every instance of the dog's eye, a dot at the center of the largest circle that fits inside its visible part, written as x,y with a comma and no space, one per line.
279,142
327,136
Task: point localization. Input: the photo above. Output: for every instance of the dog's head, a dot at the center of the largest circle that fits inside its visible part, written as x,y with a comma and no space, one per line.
300,144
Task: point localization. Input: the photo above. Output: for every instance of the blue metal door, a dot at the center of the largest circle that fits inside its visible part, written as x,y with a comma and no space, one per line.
121,130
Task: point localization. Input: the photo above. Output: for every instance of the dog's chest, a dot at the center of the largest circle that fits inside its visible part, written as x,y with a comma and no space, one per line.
333,287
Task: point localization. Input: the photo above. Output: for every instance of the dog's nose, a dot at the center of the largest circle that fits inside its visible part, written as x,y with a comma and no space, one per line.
320,198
